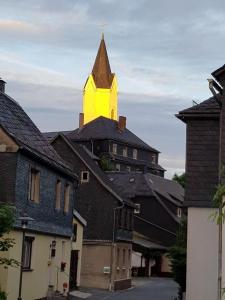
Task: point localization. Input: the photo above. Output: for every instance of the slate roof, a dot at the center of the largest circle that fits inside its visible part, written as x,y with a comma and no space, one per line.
209,106
103,128
20,127
137,184
101,71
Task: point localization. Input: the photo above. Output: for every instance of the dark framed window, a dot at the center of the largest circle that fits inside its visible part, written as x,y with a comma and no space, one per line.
27,252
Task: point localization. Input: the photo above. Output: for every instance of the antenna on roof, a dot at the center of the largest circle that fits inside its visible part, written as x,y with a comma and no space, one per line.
194,103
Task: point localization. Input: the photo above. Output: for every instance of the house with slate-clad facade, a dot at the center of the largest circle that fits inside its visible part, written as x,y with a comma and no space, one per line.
205,160
115,168
158,213
40,185
107,245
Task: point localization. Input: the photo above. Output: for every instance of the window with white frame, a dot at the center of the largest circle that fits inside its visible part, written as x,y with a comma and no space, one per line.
134,153
117,167
114,148
128,168
137,208
125,152
154,158
179,212
84,176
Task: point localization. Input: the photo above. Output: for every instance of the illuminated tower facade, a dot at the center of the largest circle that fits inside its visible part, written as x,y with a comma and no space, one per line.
100,90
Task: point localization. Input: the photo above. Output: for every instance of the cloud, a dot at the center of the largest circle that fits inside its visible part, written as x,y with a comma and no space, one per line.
162,53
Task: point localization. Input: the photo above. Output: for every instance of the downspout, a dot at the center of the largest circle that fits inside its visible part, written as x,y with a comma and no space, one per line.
212,86
111,285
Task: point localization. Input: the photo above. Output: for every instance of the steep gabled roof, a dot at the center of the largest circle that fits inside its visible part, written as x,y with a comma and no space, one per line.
101,71
103,128
84,155
138,184
20,127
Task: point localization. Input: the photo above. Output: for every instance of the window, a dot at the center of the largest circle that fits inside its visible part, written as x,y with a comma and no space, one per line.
118,256
26,262
137,208
34,188
154,158
58,194
179,212
66,198
134,153
114,148
74,232
84,176
128,168
125,152
118,167
124,257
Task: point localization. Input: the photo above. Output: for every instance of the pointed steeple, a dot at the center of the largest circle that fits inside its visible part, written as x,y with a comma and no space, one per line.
101,71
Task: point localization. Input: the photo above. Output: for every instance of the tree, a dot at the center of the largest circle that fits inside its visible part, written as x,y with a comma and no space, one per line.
178,254
7,218
105,164
181,179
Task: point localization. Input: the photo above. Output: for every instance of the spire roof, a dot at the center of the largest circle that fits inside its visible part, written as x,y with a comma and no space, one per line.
101,71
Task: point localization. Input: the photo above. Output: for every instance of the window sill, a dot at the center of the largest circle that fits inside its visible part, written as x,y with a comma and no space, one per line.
27,270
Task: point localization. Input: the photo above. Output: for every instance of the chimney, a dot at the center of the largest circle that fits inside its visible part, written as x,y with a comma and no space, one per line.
81,120
122,123
2,85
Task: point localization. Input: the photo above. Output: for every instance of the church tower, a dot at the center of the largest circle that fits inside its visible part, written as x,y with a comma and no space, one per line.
100,90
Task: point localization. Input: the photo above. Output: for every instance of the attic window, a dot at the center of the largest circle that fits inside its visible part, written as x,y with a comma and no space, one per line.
131,179
179,212
154,158
114,149
137,208
117,167
125,152
134,153
84,176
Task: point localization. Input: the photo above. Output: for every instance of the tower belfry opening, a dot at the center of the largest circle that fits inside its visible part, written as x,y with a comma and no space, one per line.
100,90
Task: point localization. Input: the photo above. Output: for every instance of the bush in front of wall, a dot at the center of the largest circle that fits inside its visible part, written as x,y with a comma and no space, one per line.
3,295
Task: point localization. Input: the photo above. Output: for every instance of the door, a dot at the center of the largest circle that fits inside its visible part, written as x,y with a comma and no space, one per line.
73,269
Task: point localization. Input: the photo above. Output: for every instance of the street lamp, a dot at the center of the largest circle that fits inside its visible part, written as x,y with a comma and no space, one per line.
24,222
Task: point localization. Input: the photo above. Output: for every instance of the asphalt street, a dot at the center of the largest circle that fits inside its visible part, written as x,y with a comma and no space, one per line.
143,289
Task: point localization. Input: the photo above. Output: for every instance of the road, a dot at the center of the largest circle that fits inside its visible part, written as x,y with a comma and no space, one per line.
144,289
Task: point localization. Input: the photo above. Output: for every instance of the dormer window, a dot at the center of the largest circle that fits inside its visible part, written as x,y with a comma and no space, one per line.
179,212
125,152
117,167
134,153
114,150
84,176
137,208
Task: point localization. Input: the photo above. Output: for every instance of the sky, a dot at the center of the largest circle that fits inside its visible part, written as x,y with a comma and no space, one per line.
161,51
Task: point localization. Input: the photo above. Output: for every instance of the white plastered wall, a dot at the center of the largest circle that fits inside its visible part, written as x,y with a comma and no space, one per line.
202,255
43,273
